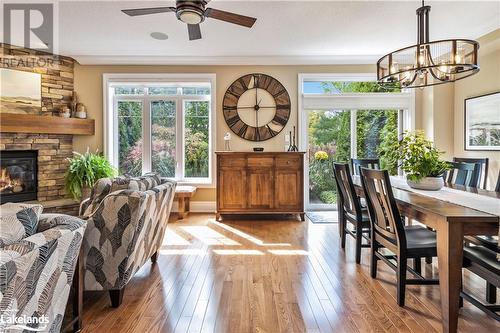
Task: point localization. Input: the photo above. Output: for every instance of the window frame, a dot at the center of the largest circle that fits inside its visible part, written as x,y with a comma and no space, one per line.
110,125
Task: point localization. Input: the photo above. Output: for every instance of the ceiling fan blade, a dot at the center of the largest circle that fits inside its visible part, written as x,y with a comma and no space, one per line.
217,14
194,31
148,11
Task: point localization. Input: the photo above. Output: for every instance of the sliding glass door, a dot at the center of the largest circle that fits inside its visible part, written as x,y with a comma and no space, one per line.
343,118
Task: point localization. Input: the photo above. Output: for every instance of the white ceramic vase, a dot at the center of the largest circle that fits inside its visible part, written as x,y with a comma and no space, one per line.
427,183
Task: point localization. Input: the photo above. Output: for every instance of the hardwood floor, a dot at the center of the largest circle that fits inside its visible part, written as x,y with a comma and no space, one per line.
269,276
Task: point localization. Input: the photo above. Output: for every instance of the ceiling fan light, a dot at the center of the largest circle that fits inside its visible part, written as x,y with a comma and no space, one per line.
190,17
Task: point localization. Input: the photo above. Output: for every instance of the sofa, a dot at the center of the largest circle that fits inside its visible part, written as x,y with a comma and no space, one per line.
36,268
126,222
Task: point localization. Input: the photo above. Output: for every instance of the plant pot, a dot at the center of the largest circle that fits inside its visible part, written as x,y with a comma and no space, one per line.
427,183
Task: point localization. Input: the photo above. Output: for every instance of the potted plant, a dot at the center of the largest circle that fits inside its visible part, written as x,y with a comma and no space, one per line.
83,171
421,162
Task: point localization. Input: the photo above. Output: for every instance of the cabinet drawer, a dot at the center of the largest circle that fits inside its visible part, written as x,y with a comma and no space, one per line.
232,162
294,162
260,162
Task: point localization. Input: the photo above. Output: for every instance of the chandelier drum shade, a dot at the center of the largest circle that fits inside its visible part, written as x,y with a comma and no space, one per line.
429,63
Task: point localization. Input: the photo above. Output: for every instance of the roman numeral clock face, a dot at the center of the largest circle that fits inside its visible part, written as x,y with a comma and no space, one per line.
256,107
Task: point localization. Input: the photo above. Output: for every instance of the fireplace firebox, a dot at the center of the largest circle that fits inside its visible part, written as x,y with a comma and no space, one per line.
18,176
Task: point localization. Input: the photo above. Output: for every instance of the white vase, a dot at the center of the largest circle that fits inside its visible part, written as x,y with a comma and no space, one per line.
427,183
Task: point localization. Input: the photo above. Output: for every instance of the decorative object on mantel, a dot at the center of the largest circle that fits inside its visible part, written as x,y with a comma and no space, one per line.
482,122
429,63
258,149
293,146
65,112
83,171
74,103
227,139
421,162
81,111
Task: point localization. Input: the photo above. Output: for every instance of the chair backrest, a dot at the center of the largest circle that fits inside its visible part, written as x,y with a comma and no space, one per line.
385,218
497,188
483,165
463,174
358,163
345,189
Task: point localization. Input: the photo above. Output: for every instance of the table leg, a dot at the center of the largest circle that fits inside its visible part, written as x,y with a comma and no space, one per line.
450,251
187,205
181,209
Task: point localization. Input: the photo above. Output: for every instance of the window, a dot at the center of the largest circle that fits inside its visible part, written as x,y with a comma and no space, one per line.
347,116
161,123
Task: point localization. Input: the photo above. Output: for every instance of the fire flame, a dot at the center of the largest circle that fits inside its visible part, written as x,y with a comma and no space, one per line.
7,183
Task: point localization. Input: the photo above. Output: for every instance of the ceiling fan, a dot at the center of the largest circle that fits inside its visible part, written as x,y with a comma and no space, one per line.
193,13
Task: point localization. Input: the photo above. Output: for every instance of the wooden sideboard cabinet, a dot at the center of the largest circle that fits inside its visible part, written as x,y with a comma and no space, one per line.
260,183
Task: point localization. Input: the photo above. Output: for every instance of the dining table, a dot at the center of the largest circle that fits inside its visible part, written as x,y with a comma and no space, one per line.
453,212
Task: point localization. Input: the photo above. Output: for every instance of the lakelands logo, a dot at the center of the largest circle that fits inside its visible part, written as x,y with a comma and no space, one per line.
30,25
8,320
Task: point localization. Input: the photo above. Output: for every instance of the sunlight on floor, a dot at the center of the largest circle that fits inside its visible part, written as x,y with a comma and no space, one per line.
289,252
239,252
209,236
247,236
183,252
172,238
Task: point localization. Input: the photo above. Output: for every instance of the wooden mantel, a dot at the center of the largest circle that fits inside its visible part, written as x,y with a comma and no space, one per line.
25,123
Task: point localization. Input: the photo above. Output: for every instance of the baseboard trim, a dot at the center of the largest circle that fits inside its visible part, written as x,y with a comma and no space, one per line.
197,207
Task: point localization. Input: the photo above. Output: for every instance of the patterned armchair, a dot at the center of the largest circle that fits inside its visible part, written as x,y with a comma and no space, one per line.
36,273
127,219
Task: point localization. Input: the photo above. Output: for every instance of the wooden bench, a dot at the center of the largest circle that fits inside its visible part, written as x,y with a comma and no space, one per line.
183,195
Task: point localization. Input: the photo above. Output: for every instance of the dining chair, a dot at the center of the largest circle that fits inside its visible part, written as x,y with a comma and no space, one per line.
497,188
357,163
389,232
484,262
483,165
462,173
351,209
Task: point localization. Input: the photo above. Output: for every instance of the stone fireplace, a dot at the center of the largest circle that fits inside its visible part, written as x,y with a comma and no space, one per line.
52,151
18,175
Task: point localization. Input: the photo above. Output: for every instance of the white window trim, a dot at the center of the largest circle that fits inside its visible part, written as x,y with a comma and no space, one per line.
109,79
404,100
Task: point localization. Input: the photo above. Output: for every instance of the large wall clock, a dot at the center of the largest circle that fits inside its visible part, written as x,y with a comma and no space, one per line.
256,107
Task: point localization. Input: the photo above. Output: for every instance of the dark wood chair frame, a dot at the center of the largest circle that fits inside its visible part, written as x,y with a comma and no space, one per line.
492,283
358,163
483,167
497,188
351,210
387,231
467,174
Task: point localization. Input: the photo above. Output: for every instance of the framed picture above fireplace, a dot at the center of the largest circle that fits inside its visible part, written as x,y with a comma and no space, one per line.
482,122
20,92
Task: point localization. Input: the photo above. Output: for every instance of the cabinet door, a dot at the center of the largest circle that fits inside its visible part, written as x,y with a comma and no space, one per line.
288,190
260,188
232,189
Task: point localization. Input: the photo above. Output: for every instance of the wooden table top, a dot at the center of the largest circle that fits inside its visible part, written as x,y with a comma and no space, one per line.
443,208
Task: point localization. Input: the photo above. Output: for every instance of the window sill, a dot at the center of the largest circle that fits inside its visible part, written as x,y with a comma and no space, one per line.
197,183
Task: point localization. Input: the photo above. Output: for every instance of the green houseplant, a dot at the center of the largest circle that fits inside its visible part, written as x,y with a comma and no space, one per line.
83,171
421,162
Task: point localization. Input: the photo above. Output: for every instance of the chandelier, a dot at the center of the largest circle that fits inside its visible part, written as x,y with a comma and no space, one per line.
428,63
